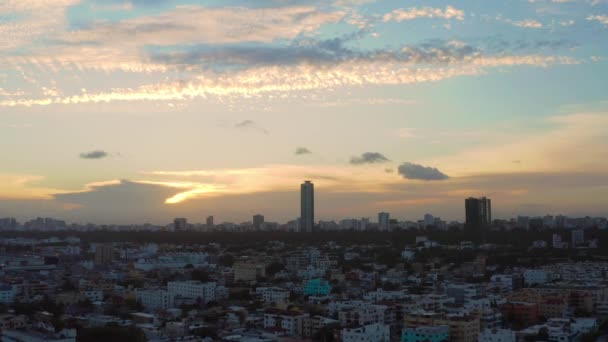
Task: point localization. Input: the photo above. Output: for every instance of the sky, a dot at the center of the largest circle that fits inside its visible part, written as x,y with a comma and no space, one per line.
116,111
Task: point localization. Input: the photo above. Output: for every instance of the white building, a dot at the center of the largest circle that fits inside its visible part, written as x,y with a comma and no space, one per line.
536,277
291,322
154,299
497,335
273,294
368,333
380,295
362,315
193,289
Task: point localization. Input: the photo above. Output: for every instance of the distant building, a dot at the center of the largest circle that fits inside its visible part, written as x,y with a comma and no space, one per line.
439,333
258,222
384,221
248,271
578,237
210,223
369,333
478,216
497,335
307,206
180,223
154,299
104,254
429,220
557,241
192,289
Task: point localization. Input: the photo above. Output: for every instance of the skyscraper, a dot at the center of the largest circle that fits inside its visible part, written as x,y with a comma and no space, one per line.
209,222
258,221
383,221
307,206
478,216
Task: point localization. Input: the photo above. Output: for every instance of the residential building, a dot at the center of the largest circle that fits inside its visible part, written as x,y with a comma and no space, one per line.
426,334
368,333
193,289
154,299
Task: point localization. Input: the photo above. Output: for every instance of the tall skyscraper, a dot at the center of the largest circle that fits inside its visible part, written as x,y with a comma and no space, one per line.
384,221
258,221
478,216
307,206
209,222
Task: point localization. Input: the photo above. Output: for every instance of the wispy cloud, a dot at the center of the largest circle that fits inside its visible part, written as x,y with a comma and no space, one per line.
528,23
602,19
412,13
249,124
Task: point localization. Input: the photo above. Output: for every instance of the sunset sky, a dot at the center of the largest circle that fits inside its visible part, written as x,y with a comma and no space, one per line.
138,111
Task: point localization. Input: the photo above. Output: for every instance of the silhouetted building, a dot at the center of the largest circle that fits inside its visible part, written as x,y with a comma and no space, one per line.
180,223
209,222
478,216
258,221
104,254
307,206
384,221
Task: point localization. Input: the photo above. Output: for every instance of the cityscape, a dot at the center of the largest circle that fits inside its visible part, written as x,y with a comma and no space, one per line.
303,170
400,281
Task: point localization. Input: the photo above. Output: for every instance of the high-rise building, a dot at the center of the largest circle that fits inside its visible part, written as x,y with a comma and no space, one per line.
478,216
258,222
209,222
180,223
104,254
307,206
384,221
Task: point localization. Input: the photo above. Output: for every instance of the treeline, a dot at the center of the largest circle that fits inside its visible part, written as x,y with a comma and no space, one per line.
397,239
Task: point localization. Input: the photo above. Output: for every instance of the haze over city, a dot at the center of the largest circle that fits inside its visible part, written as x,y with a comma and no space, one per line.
143,111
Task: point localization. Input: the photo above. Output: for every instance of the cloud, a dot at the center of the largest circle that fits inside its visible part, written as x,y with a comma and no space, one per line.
603,19
416,171
249,124
94,155
528,23
369,158
190,24
433,66
302,150
412,13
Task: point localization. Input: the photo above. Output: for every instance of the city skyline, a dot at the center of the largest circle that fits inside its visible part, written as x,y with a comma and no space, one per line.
135,111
